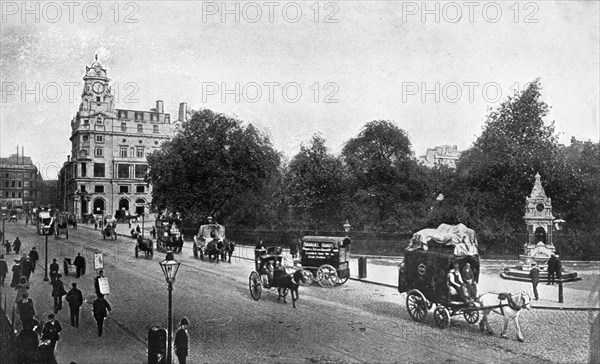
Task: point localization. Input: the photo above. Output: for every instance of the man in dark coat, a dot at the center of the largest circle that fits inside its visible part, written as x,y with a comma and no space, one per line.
7,247
551,269
58,291
75,300
17,245
34,257
51,331
26,310
54,268
3,269
27,344
26,267
181,341
97,282
79,263
534,275
100,308
16,273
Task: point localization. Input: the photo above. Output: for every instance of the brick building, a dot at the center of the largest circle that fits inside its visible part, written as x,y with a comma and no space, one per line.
19,182
107,167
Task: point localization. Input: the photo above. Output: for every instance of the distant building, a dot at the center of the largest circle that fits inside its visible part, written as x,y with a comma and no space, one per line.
107,167
19,182
442,155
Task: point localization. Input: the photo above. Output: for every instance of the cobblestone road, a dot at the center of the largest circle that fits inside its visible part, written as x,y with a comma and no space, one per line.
356,322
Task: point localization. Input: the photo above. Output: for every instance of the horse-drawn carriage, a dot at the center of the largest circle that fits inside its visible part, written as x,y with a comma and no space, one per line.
169,235
211,242
109,231
44,223
61,226
431,259
326,258
270,273
144,245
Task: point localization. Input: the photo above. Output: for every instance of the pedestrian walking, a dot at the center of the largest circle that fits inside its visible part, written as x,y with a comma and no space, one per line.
534,275
95,225
51,331
34,257
16,273
3,269
58,291
79,263
75,300
551,269
22,288
181,341
153,232
17,246
27,344
26,267
54,268
7,247
100,308
26,311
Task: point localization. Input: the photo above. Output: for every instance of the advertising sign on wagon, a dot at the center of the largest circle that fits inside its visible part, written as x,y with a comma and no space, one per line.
98,261
103,285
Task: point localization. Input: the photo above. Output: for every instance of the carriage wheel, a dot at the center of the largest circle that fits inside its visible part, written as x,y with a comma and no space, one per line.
471,316
342,280
327,276
441,317
255,285
416,306
308,277
136,251
195,251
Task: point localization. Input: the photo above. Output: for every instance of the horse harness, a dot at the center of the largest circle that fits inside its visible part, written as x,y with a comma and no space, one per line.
511,302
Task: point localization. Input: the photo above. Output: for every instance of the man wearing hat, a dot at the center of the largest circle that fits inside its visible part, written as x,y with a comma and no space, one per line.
34,257
58,291
75,300
3,269
26,310
181,341
16,273
51,331
100,309
54,267
534,274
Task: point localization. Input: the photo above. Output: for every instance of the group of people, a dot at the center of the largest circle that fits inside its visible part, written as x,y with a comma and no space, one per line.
461,283
554,273
16,246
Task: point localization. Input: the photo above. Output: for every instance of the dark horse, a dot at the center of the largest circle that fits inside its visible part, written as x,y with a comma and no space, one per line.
291,283
227,251
214,250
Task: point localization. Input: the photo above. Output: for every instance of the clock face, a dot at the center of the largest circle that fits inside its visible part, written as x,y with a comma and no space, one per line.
98,88
540,207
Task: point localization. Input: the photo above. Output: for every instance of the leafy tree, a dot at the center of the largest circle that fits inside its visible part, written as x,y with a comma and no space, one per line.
213,160
315,185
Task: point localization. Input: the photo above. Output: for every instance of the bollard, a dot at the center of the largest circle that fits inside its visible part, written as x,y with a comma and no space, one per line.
362,267
560,291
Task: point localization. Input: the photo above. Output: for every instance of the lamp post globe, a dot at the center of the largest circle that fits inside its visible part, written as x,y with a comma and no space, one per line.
347,227
170,267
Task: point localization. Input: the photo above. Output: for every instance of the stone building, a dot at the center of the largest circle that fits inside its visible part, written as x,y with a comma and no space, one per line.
107,167
20,182
446,155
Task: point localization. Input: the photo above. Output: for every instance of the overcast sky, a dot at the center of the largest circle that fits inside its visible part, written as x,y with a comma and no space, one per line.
300,68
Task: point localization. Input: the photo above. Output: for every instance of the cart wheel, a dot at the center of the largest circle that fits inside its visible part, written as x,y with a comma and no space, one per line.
308,277
327,276
341,281
416,305
471,316
136,251
255,285
441,317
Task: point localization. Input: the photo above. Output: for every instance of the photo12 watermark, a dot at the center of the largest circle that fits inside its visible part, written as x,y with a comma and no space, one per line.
271,91
68,11
454,92
469,11
55,92
269,12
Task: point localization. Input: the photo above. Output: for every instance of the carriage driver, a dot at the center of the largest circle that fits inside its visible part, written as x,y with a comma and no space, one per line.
455,283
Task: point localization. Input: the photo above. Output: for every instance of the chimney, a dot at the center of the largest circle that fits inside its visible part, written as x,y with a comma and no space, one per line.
182,111
160,106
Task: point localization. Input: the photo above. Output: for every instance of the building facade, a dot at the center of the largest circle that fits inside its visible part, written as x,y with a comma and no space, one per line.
20,182
106,170
442,155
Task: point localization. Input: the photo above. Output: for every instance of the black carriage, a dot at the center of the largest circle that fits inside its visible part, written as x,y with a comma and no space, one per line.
423,275
210,242
144,245
268,272
169,235
327,258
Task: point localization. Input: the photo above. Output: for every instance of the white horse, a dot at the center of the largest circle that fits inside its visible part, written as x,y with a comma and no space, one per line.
507,305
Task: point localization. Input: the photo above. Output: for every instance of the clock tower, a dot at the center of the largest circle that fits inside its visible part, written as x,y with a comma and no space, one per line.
96,95
538,216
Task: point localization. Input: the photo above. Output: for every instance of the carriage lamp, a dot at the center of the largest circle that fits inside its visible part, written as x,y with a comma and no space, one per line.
347,227
170,267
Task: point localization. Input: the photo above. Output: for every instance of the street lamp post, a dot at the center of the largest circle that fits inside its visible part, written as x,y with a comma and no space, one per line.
46,254
169,267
